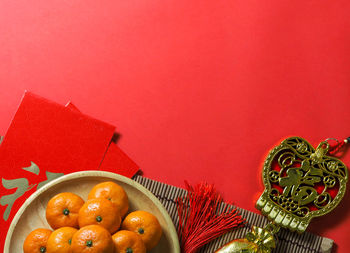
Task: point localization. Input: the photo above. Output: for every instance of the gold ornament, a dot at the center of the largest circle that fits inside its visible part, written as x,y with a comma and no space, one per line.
259,240
238,246
300,183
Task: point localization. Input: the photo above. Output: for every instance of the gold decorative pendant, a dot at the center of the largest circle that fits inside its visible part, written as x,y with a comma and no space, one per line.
300,183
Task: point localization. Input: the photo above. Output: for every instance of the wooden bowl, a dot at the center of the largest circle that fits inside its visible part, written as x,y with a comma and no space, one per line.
32,214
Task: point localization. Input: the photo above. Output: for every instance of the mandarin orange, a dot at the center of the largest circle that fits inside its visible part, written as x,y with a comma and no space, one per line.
113,192
36,241
128,242
100,212
62,210
144,224
60,240
92,239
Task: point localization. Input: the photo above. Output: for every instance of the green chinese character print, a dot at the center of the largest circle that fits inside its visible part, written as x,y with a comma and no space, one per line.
33,168
50,176
22,186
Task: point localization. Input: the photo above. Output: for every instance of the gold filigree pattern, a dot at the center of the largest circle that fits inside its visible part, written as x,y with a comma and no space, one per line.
301,183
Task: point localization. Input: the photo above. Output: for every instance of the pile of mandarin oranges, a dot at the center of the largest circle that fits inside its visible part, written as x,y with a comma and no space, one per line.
99,225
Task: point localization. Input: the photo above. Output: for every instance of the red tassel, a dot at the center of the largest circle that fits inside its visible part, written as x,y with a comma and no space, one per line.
199,221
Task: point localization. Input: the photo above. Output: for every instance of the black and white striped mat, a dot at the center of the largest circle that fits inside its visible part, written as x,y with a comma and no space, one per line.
288,242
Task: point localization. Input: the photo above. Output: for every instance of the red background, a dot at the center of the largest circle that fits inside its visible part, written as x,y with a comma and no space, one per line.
199,90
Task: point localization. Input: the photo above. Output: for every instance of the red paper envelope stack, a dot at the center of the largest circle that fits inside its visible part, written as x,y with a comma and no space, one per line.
46,140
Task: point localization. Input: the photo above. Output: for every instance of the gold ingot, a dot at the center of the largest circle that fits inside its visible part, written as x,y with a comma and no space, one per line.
238,246
259,240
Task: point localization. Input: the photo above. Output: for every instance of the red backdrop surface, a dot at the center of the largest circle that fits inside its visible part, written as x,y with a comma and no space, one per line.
199,90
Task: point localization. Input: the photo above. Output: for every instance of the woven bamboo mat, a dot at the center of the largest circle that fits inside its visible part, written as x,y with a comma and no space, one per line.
288,242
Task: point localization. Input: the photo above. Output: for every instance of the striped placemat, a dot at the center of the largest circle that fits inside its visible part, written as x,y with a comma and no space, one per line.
288,242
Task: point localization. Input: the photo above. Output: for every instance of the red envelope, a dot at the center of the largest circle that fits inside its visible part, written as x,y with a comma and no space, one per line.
115,159
46,140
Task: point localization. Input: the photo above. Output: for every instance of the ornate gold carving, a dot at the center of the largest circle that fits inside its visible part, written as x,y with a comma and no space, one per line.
301,183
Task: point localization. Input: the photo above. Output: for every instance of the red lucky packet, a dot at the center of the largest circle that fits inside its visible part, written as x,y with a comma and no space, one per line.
46,140
114,158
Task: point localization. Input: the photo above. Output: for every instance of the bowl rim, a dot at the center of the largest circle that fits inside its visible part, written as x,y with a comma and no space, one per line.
94,173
